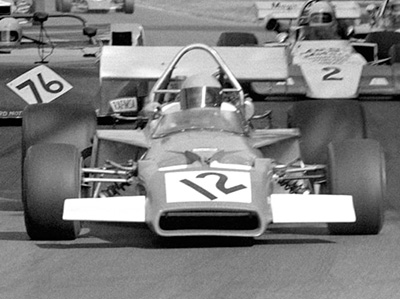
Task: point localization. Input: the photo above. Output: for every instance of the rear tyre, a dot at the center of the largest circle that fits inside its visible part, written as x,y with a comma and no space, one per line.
357,168
394,53
58,5
385,40
65,5
52,173
324,121
129,6
236,39
58,123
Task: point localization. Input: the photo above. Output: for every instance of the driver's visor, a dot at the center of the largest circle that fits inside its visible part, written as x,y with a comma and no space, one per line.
200,97
321,18
9,36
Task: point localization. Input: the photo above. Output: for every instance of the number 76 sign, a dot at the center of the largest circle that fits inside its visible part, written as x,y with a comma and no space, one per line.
39,85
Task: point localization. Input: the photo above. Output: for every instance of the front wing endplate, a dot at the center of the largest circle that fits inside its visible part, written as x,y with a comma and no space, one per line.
298,208
110,209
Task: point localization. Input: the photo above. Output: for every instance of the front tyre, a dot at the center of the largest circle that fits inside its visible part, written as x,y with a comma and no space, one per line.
51,174
357,168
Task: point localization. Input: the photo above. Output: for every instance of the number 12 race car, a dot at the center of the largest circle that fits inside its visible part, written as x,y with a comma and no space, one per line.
192,164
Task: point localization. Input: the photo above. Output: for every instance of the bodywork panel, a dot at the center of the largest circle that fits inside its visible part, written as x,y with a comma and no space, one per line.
289,10
177,208
227,189
70,64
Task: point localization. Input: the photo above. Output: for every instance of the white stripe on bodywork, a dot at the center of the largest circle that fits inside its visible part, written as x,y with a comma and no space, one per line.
208,186
298,208
216,164
112,209
332,82
332,69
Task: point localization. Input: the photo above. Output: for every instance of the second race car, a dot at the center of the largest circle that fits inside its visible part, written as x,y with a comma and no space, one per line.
325,63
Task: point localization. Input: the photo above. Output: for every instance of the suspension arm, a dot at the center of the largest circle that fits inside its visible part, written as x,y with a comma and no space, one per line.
106,180
105,171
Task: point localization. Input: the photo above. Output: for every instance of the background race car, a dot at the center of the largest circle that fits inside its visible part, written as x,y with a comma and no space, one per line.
325,63
44,67
126,6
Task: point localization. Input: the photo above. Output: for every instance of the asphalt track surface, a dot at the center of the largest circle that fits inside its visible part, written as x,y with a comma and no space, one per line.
128,261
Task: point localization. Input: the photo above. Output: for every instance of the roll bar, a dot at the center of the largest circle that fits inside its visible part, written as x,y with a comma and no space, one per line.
159,86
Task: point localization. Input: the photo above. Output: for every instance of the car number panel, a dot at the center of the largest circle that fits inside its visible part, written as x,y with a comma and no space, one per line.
207,186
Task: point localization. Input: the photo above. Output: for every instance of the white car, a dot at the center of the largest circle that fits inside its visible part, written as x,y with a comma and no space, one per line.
126,6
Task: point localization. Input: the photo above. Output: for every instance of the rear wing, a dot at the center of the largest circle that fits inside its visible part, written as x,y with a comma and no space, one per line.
120,66
148,63
290,10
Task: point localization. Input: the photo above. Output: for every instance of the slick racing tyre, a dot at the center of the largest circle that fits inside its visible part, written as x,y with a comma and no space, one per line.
129,6
58,123
236,39
394,53
324,121
58,5
51,174
63,5
384,40
357,168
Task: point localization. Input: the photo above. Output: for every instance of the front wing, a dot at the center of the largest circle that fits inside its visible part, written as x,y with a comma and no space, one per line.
212,201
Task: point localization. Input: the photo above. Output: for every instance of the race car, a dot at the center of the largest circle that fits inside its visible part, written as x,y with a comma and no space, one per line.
42,63
383,29
294,17
11,29
324,65
126,6
381,18
8,7
192,163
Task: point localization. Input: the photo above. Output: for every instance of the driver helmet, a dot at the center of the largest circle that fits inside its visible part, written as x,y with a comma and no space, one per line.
395,8
199,91
321,14
395,13
391,18
10,32
371,8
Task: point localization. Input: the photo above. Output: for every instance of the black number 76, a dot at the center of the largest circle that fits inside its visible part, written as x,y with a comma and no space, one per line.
52,86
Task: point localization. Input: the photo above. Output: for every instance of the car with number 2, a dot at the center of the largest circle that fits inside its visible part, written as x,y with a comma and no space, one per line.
325,62
192,163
